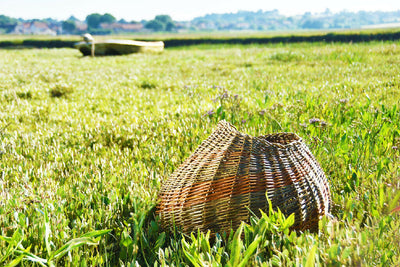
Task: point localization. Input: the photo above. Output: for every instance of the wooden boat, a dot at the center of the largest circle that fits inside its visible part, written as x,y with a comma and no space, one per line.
117,47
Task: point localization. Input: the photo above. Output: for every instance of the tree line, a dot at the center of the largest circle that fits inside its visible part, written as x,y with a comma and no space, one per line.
242,20
94,23
95,20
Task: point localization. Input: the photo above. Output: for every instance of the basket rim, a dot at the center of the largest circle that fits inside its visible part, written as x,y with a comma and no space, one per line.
262,138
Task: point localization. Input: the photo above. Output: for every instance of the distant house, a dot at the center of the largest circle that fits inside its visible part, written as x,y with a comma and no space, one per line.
55,27
122,27
81,26
35,27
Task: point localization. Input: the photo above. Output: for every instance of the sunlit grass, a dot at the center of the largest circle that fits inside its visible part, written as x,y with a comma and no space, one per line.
88,141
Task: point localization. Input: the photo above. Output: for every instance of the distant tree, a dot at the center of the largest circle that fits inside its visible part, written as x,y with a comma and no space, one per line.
154,25
7,24
161,23
93,20
49,20
163,18
5,20
68,26
107,18
170,26
73,18
313,24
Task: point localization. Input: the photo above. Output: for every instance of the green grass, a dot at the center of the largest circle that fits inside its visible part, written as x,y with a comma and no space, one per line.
85,144
197,38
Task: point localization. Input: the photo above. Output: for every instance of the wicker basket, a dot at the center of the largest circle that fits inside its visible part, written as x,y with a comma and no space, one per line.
230,173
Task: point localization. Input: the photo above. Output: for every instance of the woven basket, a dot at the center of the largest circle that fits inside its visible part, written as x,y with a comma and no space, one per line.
230,174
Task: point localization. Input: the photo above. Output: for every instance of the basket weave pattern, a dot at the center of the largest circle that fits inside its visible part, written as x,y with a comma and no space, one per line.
230,173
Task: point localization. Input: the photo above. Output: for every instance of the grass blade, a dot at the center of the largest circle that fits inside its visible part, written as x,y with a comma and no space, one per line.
15,262
250,251
189,256
236,246
97,233
47,232
311,257
86,239
32,257
74,243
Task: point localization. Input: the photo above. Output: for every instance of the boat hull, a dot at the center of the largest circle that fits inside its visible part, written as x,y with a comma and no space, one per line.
119,47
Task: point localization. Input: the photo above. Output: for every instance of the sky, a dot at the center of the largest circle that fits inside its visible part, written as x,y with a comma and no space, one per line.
179,10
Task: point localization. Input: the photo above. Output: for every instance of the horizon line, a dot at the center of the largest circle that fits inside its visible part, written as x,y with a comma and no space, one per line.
213,13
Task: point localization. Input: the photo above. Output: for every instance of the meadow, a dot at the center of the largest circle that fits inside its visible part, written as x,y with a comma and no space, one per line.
212,38
85,144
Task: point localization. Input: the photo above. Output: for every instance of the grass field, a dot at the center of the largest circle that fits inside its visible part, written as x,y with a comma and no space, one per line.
213,37
204,34
85,144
